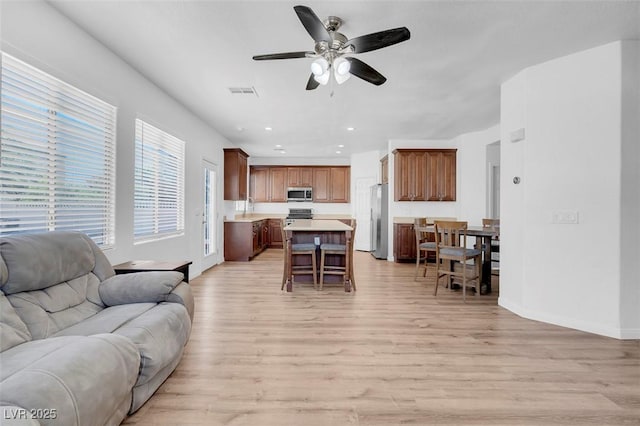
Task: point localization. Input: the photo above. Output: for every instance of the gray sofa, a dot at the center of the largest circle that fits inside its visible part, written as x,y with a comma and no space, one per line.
80,345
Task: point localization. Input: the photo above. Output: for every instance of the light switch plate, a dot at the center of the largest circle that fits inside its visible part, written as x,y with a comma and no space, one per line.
565,217
316,240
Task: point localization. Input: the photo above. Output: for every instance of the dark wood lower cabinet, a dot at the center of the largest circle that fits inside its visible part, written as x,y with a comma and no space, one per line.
243,240
275,233
404,242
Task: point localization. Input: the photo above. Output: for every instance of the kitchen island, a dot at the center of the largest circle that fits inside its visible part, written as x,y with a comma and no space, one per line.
319,232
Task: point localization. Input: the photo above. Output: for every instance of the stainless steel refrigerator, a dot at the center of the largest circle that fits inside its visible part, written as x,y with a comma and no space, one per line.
379,220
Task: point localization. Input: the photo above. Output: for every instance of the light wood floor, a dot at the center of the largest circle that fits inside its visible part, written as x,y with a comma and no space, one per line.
390,353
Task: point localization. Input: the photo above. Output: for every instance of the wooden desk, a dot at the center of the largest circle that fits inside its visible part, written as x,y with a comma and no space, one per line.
154,265
326,231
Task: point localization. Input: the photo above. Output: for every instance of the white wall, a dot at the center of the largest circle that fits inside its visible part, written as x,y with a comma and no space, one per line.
472,174
37,34
299,161
570,159
630,191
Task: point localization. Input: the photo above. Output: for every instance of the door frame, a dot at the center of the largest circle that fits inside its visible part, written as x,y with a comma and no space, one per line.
213,258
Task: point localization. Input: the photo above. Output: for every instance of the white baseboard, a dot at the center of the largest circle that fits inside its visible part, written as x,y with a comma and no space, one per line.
589,327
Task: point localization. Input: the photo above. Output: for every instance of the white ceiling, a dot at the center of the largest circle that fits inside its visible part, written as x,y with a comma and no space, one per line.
443,82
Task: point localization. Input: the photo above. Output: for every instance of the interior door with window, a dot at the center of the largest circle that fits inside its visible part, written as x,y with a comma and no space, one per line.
209,216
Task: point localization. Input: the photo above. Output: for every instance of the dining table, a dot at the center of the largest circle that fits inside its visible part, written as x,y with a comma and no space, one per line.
483,238
483,241
318,232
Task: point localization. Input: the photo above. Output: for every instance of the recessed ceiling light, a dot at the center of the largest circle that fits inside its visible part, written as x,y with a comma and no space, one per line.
278,146
351,129
268,129
340,146
283,152
338,152
240,128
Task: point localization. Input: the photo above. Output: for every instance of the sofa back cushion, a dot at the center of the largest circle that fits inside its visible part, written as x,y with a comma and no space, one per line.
13,330
51,279
46,312
37,261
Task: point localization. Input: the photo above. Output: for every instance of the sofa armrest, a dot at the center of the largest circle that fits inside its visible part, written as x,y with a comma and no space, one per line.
182,294
140,287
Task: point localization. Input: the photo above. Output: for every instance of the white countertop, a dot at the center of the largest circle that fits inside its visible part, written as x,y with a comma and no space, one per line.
318,225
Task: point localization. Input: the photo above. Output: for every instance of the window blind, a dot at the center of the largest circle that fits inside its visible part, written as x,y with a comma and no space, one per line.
57,156
159,183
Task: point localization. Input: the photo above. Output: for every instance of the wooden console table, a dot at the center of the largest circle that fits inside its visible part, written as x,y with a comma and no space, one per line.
154,265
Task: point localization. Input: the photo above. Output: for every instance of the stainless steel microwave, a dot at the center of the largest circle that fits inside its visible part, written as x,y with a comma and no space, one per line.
299,194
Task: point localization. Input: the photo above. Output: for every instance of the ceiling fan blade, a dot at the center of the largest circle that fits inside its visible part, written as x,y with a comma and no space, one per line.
312,24
374,41
312,83
287,55
365,72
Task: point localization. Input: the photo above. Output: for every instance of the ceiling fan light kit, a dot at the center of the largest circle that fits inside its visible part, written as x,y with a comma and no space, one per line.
331,50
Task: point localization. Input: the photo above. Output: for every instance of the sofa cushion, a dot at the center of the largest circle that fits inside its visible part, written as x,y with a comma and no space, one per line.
159,331
107,320
13,330
45,312
86,379
160,334
37,261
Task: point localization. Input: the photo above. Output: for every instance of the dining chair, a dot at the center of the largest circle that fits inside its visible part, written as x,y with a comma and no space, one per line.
494,225
298,249
340,250
425,244
451,247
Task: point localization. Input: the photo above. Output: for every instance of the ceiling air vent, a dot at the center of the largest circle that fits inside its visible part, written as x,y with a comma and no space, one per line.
243,91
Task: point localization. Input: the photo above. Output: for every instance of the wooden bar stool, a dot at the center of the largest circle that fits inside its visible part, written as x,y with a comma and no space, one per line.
300,249
341,250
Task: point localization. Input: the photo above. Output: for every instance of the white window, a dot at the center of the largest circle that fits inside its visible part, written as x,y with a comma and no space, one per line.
57,156
159,184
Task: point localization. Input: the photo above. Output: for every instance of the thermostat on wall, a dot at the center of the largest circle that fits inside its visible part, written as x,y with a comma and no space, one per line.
517,135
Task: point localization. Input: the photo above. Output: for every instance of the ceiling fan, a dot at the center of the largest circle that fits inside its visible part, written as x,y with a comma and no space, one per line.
332,49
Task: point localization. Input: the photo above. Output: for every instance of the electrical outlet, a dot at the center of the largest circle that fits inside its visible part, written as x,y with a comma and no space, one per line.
316,240
565,217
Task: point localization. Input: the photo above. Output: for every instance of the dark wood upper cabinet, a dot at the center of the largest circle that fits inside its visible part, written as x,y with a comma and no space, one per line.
235,174
299,177
441,176
268,184
410,175
278,184
340,184
384,169
330,184
321,184
425,174
259,184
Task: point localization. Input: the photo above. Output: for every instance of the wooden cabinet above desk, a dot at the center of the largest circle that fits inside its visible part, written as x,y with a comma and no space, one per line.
425,174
